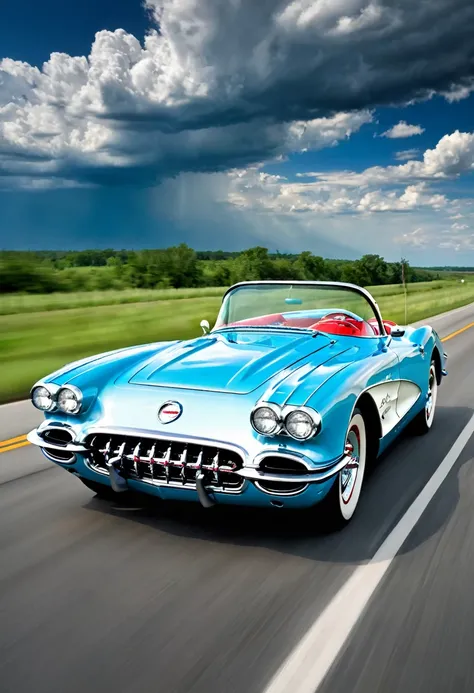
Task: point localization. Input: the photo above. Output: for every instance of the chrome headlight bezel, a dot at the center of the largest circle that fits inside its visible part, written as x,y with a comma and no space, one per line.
77,397
314,420
282,414
52,389
278,419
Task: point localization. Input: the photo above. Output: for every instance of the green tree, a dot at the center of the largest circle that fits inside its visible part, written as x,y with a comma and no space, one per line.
310,267
252,265
22,272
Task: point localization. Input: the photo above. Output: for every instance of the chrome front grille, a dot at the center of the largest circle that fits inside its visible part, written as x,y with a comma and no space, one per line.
166,462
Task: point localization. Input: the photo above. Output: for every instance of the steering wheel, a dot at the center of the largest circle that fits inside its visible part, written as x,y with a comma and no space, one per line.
340,317
335,321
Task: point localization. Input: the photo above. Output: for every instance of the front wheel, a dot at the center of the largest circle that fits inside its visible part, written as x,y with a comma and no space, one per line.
423,421
341,502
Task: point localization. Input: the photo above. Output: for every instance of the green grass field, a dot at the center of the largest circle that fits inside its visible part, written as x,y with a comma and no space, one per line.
41,333
11,304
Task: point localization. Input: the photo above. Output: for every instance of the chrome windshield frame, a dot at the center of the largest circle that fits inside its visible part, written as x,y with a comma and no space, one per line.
323,284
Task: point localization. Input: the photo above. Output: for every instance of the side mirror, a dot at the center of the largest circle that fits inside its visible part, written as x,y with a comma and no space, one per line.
397,331
205,326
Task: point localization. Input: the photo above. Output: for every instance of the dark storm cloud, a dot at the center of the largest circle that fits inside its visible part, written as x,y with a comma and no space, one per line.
221,83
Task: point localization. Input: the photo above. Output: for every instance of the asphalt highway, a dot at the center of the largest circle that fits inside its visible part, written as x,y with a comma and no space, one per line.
99,596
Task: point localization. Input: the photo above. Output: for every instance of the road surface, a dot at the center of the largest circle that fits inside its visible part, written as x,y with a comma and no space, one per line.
100,597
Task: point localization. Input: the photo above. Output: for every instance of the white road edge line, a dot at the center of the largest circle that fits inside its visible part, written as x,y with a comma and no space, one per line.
307,665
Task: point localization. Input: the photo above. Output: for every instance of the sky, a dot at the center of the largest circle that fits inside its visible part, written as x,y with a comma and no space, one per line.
342,127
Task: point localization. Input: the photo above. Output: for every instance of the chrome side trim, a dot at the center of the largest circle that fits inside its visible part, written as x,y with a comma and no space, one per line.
370,387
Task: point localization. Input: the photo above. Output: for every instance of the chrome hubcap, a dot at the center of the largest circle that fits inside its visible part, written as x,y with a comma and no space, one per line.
429,397
349,473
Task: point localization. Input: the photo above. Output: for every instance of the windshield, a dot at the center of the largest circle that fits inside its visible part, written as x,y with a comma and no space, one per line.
327,308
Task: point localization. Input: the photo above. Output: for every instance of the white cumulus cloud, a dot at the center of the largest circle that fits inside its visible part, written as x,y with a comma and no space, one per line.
452,157
216,85
407,154
402,130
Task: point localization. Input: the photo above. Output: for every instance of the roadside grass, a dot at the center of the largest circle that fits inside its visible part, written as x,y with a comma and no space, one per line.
424,304
39,338
11,304
33,345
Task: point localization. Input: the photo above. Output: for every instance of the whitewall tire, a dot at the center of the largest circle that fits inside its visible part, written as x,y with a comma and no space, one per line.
339,506
352,476
423,421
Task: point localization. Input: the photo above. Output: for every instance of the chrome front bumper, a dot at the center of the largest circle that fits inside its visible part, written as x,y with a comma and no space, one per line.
201,484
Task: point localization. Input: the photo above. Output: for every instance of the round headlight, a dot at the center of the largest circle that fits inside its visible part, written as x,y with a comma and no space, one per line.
265,421
69,400
42,398
301,425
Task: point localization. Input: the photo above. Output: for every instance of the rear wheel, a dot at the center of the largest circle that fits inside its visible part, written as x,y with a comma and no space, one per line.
342,500
423,421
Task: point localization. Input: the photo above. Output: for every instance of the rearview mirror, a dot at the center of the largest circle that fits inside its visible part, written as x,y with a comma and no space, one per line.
397,331
205,326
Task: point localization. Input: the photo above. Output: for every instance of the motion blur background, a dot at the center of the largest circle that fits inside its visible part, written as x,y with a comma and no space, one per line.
58,306
152,153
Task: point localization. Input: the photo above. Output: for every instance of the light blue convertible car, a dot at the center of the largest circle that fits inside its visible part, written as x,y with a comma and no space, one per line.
282,403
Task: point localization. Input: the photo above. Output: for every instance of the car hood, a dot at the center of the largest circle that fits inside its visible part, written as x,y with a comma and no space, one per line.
236,362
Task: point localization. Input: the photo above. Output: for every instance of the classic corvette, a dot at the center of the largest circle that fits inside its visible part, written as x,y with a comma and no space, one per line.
283,403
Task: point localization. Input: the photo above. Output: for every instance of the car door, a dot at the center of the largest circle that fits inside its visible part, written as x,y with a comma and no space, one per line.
413,369
385,392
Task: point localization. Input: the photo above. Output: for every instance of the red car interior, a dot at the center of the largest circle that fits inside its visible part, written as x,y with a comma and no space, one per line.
343,324
388,324
332,323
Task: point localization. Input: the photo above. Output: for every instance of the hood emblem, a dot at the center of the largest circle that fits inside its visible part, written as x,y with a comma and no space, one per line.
169,411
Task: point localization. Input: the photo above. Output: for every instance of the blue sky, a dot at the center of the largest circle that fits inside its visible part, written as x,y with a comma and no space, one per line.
342,127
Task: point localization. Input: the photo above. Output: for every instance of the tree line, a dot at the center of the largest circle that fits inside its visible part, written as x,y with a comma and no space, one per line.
182,267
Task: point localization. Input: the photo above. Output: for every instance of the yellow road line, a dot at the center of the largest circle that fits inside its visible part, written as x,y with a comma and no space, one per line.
21,442
455,334
11,441
14,447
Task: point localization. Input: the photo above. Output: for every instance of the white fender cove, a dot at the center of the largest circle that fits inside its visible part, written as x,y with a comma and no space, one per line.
393,399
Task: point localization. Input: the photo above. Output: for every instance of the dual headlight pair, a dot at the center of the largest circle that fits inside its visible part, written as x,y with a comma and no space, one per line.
300,423
49,397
